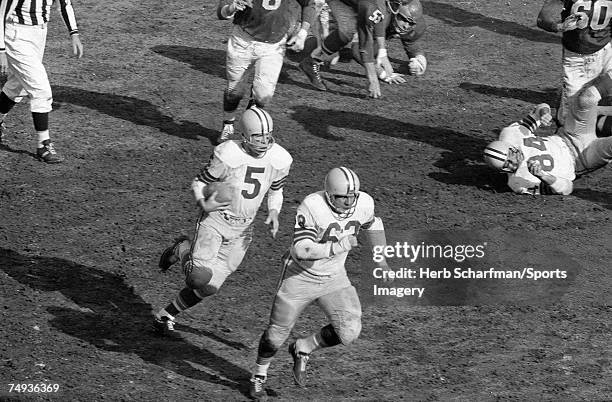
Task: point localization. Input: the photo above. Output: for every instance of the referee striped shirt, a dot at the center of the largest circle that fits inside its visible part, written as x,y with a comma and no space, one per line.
34,12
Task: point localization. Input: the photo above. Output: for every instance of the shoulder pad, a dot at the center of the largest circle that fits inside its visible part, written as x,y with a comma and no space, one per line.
315,201
231,153
279,157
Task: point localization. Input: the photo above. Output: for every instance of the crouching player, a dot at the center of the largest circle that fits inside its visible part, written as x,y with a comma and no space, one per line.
223,232
326,226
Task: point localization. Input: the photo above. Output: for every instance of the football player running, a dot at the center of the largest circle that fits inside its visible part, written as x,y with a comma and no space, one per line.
549,165
586,34
253,167
326,227
374,21
263,29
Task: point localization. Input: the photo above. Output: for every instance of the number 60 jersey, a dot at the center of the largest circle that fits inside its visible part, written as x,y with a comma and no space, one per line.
250,176
315,220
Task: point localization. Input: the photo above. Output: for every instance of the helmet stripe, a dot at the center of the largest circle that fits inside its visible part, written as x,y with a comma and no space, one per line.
263,119
491,153
350,179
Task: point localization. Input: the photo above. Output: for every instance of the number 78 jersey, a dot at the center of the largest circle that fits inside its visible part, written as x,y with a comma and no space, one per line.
316,221
251,177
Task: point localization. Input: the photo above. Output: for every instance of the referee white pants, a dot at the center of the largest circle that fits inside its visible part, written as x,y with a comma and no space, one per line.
25,47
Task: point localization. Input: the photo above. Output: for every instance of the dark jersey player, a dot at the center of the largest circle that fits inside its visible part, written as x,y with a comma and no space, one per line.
374,22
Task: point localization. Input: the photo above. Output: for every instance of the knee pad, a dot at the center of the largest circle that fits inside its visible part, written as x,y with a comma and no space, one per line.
274,336
269,344
231,100
588,97
198,278
350,329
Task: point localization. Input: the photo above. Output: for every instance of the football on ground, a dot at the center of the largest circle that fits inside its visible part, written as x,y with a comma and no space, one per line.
225,191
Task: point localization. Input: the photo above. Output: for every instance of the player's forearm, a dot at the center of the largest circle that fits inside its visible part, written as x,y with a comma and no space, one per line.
370,71
555,185
275,200
308,249
548,18
197,187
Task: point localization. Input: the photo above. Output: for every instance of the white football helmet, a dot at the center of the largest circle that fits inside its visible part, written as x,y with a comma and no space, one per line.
256,127
342,191
503,156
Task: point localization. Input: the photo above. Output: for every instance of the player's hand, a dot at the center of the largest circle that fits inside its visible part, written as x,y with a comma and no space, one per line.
374,89
575,21
3,63
296,41
395,78
535,168
272,221
417,65
210,204
77,46
545,115
345,244
242,4
382,62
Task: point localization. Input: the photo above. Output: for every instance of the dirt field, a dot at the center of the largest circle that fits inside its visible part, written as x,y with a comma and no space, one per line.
79,242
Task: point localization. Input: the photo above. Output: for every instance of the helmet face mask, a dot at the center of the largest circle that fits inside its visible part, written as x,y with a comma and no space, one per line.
256,128
503,156
342,191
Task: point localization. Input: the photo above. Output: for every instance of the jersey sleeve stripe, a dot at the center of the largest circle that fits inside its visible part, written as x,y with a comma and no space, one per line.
304,236
206,177
304,230
278,184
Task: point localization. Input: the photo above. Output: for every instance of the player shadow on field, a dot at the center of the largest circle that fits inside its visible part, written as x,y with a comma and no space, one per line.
131,109
462,159
212,62
110,316
602,198
7,148
459,17
548,95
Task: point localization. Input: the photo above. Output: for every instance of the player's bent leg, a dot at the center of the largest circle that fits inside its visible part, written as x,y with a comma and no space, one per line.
343,309
267,70
596,155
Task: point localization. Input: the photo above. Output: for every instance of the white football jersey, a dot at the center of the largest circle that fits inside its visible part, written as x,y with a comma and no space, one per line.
315,220
554,156
251,177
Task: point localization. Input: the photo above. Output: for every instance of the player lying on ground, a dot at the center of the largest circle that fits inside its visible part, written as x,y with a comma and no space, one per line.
549,165
224,231
326,226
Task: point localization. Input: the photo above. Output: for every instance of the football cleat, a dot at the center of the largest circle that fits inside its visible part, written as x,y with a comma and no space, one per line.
256,390
47,153
312,70
226,133
300,360
164,326
169,257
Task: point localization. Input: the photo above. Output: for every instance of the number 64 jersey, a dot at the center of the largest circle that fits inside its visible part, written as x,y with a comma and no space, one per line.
315,220
251,177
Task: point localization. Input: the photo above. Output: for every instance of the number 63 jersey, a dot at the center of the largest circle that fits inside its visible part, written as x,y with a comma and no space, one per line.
554,156
251,177
316,221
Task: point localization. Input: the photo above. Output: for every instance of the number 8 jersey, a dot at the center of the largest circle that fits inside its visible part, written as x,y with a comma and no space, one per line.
250,176
315,220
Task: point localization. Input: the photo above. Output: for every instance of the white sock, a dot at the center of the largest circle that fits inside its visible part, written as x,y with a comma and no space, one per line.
42,136
309,344
261,369
163,313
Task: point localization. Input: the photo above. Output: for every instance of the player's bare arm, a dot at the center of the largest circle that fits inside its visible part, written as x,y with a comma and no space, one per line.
549,18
